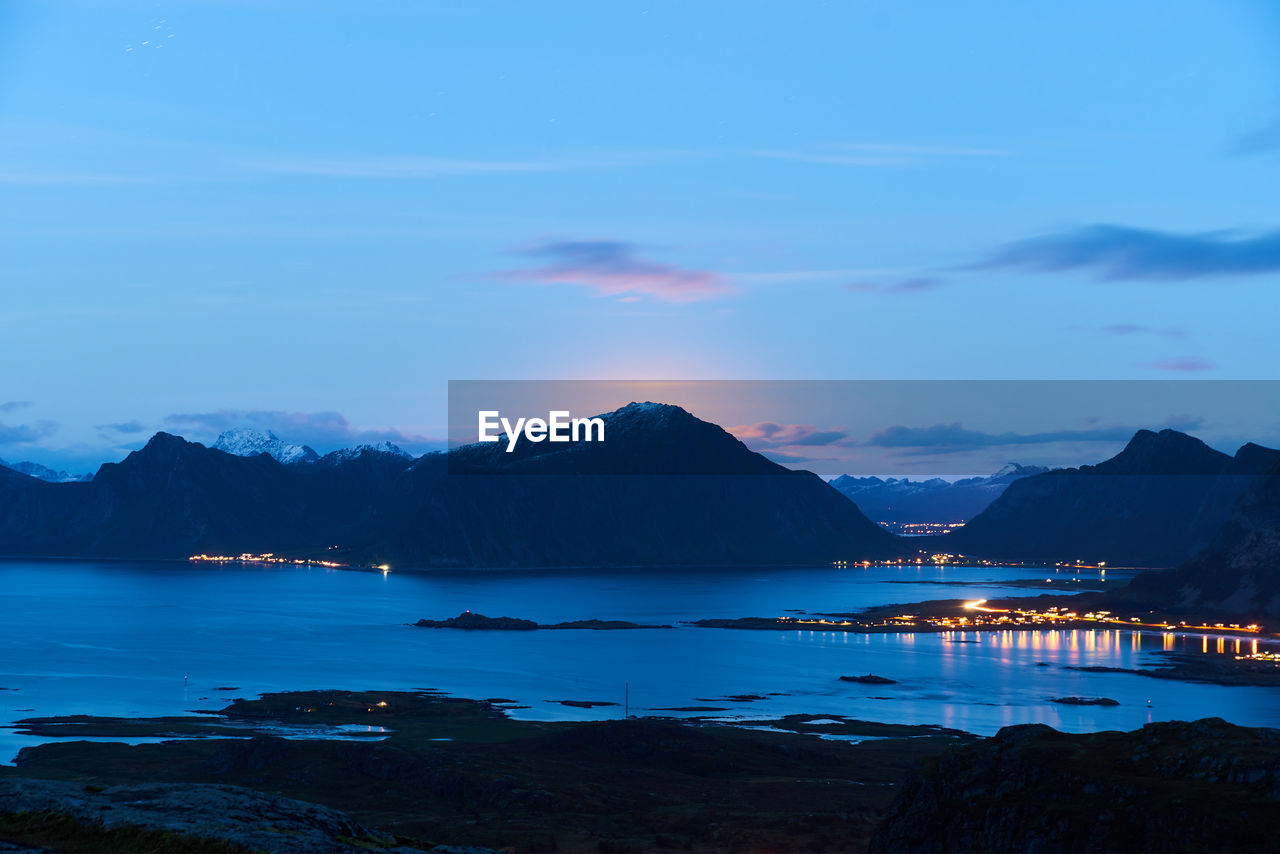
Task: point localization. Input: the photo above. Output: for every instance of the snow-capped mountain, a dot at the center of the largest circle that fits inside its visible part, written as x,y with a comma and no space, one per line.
248,442
934,500
45,473
373,448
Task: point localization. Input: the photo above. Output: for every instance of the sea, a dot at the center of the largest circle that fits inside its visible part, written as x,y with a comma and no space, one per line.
151,639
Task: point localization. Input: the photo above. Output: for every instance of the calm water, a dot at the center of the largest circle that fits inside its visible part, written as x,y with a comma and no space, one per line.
157,639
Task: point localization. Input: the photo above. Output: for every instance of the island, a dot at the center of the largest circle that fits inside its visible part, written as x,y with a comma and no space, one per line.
479,622
870,679
1084,701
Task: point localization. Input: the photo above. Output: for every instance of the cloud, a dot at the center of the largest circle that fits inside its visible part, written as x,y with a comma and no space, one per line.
126,428
20,434
954,436
428,166
612,268
877,155
905,286
14,405
784,458
1140,329
770,434
62,179
1116,253
327,429
1188,364
398,167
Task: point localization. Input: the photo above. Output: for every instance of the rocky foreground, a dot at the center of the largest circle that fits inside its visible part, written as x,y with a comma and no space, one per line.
1168,787
425,772
200,819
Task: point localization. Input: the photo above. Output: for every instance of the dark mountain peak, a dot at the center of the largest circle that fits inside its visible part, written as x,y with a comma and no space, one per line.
639,438
1153,504
1254,459
1166,452
648,411
664,419
165,440
161,446
165,453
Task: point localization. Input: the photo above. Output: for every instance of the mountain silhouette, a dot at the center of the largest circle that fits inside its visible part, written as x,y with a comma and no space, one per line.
1156,503
666,488
1238,574
934,500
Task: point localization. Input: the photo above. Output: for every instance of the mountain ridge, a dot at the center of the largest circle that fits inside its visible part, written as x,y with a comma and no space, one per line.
935,500
250,441
1156,503
670,489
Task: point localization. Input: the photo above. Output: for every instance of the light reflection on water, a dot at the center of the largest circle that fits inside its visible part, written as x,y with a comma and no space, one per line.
160,639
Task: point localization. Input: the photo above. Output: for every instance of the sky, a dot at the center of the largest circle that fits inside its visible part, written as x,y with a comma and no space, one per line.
311,216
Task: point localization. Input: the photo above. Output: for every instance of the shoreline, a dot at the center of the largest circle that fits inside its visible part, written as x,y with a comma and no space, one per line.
840,566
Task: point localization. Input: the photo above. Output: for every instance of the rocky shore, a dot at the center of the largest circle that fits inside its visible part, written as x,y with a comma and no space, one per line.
1168,787
442,774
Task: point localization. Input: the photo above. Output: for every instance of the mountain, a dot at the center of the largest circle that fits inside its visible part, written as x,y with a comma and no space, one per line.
1237,575
1156,503
935,500
666,488
44,472
248,442
174,498
374,448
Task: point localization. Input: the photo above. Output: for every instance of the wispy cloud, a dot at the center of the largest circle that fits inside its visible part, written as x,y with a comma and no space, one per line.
424,166
121,428
791,276
397,167
14,405
1127,329
1184,365
955,436
877,155
613,268
326,429
1116,253
772,435
903,286
69,179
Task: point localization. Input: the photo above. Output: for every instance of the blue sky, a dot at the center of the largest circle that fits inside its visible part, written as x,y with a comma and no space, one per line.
313,215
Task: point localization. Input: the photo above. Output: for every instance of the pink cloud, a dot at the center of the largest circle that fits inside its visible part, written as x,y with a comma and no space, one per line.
770,434
612,268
